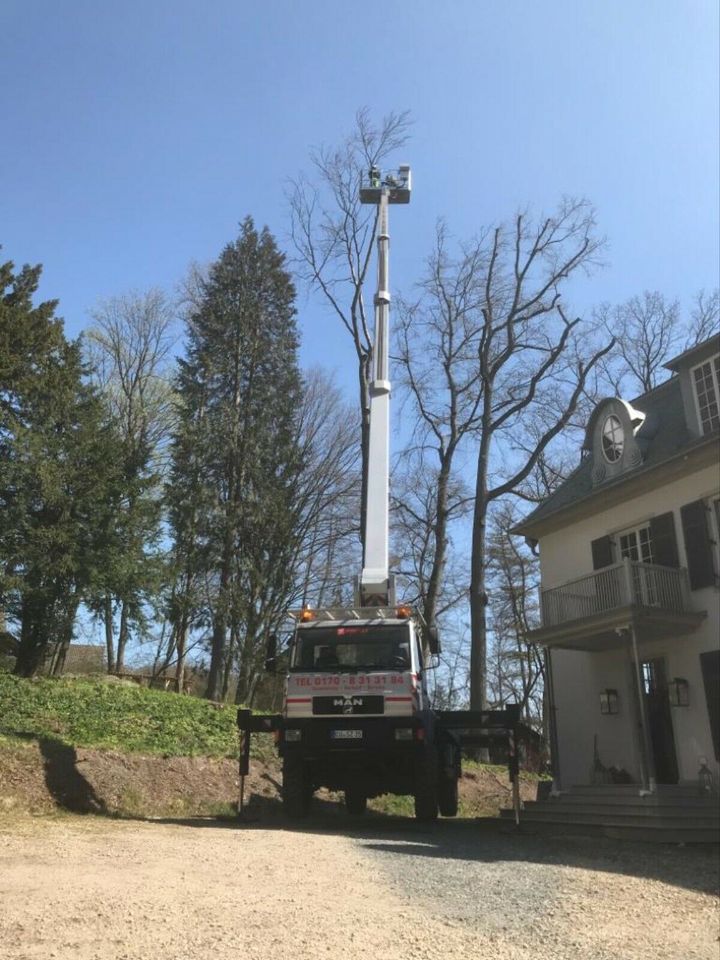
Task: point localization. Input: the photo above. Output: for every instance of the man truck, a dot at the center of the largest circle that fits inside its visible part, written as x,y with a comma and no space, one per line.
357,716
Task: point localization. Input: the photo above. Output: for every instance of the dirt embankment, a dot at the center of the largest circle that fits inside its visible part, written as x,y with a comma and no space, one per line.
42,776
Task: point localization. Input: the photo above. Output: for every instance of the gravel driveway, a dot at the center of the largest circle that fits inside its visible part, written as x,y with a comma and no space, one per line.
97,889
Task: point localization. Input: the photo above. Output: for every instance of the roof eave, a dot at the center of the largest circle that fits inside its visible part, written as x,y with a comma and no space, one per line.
702,452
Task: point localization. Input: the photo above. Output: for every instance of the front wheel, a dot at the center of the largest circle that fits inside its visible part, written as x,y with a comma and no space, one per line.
296,789
426,786
448,796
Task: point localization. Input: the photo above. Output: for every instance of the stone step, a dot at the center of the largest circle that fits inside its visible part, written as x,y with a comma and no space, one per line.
631,800
653,833
622,789
557,807
605,819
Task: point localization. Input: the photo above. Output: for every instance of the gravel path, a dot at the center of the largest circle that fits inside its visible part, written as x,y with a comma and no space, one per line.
97,889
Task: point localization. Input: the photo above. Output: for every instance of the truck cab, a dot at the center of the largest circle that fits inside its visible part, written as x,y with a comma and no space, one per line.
356,713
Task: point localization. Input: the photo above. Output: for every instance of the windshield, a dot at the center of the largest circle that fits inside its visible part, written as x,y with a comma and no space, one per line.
337,649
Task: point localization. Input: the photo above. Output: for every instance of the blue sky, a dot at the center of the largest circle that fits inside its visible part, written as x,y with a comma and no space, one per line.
136,135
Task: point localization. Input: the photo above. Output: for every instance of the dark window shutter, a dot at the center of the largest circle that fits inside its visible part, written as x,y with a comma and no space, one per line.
710,666
697,545
601,552
664,542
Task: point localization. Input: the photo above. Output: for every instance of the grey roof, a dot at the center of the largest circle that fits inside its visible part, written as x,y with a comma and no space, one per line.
663,434
697,352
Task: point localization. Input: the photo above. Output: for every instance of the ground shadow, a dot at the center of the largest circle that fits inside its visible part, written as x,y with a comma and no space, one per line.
66,785
484,840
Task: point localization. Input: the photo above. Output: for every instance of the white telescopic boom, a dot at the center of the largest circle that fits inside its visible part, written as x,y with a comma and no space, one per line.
377,587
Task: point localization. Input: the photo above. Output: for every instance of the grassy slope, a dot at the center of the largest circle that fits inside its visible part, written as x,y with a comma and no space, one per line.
100,713
119,716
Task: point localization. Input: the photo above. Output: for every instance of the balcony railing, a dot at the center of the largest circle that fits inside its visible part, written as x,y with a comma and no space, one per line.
623,584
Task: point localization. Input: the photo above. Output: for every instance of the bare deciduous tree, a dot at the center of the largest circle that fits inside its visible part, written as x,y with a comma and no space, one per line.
328,499
704,317
531,358
332,233
517,672
324,502
647,330
436,344
650,330
129,346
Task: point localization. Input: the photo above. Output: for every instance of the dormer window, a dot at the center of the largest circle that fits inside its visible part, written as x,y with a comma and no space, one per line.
613,439
706,383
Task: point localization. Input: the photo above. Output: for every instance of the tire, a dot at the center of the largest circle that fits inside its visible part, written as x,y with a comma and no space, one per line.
296,789
426,786
355,802
448,796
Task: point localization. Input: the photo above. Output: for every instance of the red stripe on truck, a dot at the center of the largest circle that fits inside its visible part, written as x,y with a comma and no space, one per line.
299,700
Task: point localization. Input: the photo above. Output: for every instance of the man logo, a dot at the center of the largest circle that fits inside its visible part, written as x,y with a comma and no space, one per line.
348,704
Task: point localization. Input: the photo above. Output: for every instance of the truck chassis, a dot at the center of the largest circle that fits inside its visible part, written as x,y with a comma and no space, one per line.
365,758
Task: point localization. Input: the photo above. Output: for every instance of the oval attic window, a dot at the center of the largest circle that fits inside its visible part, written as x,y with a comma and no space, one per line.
613,439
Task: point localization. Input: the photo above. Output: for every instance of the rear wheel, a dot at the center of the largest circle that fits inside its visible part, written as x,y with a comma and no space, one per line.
426,786
296,789
355,801
448,796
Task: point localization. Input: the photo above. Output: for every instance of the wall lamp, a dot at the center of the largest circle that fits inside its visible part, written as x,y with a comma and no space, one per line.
609,702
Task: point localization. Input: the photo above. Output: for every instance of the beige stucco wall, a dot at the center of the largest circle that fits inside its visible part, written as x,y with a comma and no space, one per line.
579,677
565,554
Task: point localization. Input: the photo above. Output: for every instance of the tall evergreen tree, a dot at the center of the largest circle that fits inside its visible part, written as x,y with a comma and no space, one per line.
235,452
56,468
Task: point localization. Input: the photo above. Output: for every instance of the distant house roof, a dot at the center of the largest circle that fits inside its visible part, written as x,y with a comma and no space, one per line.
84,658
663,435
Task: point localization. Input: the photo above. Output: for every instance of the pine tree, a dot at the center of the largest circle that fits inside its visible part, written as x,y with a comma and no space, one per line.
56,466
235,455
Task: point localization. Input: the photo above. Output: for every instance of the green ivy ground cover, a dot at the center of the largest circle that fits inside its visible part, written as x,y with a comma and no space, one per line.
117,716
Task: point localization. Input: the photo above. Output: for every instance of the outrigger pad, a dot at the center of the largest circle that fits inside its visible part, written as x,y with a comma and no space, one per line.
258,723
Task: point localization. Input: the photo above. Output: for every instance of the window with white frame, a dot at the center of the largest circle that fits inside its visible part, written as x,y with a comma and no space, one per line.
636,545
706,383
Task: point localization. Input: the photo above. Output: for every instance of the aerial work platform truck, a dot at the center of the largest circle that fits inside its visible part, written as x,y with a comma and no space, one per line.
357,716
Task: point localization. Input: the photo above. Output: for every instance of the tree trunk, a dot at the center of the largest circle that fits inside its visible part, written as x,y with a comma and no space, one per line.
72,604
109,637
247,672
33,638
67,634
217,653
441,521
219,635
122,639
180,647
229,658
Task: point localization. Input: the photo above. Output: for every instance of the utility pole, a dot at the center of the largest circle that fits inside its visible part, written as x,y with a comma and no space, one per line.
376,587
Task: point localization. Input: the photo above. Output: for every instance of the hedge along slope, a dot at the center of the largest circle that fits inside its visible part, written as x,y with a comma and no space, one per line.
116,716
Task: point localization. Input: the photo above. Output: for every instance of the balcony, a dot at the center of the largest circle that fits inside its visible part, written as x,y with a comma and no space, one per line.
589,613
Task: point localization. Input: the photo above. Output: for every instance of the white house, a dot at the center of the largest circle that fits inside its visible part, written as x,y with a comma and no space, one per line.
630,567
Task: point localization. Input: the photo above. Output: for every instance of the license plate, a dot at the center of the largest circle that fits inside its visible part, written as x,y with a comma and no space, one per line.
346,734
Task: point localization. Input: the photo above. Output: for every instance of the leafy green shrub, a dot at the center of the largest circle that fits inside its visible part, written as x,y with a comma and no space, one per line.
114,715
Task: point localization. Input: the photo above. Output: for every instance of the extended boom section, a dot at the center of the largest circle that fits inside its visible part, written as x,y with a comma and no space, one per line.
377,586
